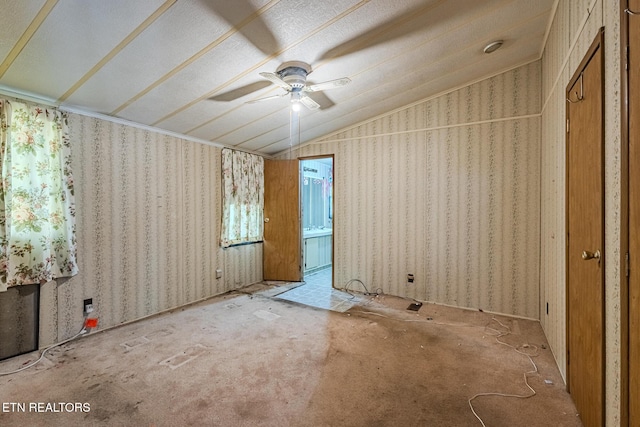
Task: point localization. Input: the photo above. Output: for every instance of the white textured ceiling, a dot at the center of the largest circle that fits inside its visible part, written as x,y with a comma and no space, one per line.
189,66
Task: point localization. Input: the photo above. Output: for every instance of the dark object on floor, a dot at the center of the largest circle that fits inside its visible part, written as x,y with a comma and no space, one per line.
414,306
270,362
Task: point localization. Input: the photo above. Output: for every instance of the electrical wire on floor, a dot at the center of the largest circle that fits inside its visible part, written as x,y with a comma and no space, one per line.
366,290
498,335
82,331
427,320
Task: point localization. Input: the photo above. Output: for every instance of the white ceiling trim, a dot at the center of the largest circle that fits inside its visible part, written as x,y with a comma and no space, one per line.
26,36
154,65
48,102
424,83
260,64
413,104
430,129
195,57
116,50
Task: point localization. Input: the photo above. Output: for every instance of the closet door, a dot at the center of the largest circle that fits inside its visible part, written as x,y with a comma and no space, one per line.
585,237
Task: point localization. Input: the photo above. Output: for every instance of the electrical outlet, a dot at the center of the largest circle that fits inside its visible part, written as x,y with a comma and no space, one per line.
409,278
88,306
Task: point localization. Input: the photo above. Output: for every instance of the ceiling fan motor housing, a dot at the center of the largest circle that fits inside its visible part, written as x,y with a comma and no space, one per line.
294,73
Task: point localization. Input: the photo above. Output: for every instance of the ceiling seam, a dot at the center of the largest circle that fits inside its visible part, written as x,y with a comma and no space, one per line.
147,22
261,63
320,139
125,122
246,124
196,56
373,67
22,96
414,103
43,13
386,28
423,83
321,64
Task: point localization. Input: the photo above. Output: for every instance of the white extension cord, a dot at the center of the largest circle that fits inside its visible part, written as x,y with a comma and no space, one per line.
82,331
498,335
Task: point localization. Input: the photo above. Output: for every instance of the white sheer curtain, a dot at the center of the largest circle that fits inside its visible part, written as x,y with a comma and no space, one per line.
242,197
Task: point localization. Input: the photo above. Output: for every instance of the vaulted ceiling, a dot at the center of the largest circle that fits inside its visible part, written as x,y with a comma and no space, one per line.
190,66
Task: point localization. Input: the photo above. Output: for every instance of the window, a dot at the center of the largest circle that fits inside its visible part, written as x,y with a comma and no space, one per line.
37,210
242,197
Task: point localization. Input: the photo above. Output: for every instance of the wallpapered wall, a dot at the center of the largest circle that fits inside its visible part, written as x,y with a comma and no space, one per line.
572,32
148,219
448,190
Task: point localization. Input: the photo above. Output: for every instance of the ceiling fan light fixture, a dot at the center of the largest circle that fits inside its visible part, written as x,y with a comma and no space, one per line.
295,100
493,46
292,77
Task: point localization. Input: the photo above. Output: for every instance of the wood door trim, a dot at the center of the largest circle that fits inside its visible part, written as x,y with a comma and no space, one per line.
597,42
596,46
624,218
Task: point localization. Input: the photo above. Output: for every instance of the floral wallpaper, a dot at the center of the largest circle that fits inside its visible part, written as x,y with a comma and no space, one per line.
573,29
447,190
148,227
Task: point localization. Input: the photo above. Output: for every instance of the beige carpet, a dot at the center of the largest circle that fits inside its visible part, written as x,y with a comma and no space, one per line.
249,359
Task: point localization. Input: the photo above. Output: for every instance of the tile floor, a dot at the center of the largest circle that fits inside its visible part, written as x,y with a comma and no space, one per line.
316,291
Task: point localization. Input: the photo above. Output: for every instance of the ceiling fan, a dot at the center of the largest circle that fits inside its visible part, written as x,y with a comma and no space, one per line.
292,77
292,72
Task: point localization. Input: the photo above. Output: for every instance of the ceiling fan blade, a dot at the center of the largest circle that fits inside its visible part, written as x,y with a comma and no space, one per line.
234,94
413,20
323,100
327,85
241,15
253,101
275,79
309,103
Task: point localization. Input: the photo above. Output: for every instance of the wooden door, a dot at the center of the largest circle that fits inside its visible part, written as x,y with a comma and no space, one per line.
585,238
281,248
634,212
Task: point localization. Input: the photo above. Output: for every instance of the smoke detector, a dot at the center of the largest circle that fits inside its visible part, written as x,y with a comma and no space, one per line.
493,46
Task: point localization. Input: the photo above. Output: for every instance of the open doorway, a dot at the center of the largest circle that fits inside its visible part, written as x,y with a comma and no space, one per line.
317,194
316,205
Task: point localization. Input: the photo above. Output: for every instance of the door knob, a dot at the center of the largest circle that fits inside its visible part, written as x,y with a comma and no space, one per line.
266,220
586,255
